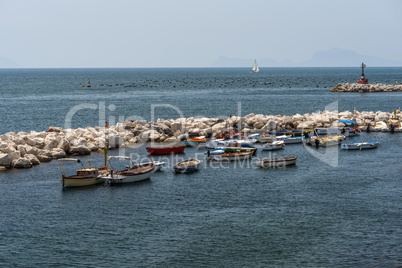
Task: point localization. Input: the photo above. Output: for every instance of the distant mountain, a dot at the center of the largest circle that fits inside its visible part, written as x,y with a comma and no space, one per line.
232,62
345,58
329,58
7,63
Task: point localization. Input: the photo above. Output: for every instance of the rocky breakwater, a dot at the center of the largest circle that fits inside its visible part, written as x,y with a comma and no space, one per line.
363,88
23,150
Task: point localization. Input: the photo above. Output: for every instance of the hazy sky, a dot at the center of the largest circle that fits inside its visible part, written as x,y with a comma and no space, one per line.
186,33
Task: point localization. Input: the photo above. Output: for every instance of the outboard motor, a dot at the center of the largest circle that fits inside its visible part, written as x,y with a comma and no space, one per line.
392,127
368,128
317,143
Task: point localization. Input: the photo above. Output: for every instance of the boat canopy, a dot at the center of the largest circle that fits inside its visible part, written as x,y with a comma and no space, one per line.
347,121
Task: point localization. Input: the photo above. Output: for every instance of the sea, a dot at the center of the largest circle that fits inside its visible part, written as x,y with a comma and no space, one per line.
334,208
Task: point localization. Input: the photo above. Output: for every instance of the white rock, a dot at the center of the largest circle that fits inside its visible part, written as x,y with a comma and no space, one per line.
21,162
33,159
92,146
58,153
5,160
80,149
14,155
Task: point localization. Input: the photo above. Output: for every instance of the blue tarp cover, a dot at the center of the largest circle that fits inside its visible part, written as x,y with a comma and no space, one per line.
347,121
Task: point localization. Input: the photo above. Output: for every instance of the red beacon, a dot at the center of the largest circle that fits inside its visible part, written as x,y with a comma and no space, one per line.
363,80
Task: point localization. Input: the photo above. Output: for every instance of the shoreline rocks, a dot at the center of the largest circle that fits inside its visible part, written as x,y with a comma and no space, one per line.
23,150
366,88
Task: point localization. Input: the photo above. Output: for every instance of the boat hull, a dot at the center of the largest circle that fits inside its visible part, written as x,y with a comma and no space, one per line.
276,162
187,166
231,156
359,146
122,179
166,150
79,182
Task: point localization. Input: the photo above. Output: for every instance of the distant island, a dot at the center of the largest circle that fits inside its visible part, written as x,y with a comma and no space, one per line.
329,58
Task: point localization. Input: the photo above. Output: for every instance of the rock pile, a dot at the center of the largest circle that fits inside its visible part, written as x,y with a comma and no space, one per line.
362,88
23,150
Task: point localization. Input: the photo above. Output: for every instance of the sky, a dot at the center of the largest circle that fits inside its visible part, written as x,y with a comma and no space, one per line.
191,33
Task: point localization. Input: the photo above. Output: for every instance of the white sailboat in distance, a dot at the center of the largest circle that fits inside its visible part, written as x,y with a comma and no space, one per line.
255,68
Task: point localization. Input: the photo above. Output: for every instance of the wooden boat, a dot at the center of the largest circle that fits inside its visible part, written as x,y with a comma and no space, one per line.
276,162
222,150
134,173
276,145
166,149
231,156
289,140
84,176
359,145
187,166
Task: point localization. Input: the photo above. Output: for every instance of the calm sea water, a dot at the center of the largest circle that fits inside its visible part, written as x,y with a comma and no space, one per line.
333,209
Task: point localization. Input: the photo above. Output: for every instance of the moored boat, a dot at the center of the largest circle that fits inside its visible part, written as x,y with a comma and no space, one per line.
166,149
359,145
276,145
84,176
187,166
231,156
276,162
134,173
290,140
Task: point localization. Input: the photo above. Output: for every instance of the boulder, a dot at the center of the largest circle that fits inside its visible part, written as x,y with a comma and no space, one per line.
58,153
176,126
7,147
258,124
64,144
14,155
92,146
43,158
80,150
21,149
33,159
5,160
21,162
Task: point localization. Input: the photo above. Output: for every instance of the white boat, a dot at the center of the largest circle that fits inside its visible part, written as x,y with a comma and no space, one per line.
359,145
276,145
255,68
134,174
325,131
230,156
158,165
289,140
230,143
276,162
393,126
266,138
378,126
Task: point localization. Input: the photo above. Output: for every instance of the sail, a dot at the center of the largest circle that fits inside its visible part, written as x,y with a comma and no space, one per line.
255,68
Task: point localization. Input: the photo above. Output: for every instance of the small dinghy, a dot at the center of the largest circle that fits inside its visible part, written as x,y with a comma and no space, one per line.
187,166
276,162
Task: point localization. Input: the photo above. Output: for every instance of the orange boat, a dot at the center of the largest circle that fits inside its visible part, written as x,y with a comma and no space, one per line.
166,149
